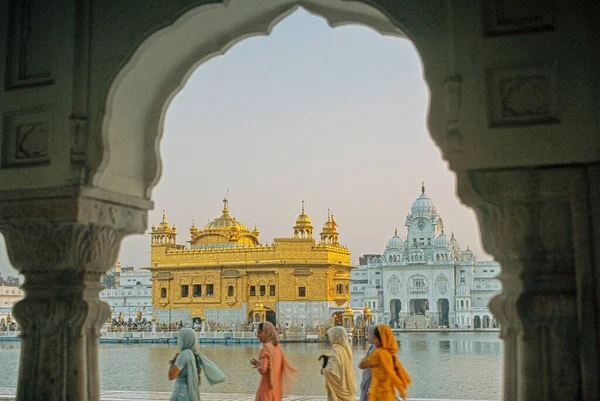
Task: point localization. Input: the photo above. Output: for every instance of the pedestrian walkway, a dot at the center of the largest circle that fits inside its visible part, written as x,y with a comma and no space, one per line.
8,394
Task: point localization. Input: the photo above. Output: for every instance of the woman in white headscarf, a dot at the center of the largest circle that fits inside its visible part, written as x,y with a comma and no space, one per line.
185,368
340,381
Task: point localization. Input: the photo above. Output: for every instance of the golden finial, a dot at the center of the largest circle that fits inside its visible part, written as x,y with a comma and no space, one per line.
328,214
302,206
164,220
225,205
422,187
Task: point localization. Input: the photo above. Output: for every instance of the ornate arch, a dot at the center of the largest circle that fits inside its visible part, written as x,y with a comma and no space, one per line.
132,125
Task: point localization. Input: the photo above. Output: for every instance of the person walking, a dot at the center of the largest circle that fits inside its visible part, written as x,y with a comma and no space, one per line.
184,368
388,374
365,381
340,381
277,375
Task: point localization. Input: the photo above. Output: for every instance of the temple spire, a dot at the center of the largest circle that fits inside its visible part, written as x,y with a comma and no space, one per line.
225,205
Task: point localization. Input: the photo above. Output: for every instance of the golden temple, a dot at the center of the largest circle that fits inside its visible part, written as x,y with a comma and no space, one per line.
225,274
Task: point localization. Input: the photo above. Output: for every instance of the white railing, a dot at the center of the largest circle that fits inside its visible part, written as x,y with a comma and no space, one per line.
173,334
137,334
9,333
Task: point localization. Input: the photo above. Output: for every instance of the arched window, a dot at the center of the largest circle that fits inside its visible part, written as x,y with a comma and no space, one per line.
230,291
340,288
163,292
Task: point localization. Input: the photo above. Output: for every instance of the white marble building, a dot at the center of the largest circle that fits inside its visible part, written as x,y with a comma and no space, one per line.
132,295
426,278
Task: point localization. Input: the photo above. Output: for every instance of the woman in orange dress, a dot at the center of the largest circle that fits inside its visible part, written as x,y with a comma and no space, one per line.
388,374
277,375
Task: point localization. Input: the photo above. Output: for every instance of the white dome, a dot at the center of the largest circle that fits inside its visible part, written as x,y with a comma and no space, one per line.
422,205
442,241
396,242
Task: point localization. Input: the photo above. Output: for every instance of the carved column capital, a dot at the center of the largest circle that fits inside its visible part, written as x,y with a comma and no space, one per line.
527,219
63,242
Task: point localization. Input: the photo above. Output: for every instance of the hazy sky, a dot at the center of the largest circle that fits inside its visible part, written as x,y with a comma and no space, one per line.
335,117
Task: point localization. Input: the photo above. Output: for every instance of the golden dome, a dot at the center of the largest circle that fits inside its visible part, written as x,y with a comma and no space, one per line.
327,227
303,219
367,311
225,222
348,310
224,230
164,226
330,225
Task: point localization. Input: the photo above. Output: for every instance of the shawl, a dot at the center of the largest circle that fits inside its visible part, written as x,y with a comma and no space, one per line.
188,344
387,355
288,373
339,372
365,382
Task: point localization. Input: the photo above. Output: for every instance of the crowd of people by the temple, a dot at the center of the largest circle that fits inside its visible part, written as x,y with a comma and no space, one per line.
383,379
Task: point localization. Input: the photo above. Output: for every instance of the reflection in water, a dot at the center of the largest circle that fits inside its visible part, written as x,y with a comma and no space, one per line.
445,346
419,345
442,365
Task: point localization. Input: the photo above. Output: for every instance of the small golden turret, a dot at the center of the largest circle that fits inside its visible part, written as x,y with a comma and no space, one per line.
329,236
367,314
193,230
164,235
348,317
303,229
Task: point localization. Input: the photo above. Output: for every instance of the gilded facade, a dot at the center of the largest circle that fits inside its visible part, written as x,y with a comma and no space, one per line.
225,274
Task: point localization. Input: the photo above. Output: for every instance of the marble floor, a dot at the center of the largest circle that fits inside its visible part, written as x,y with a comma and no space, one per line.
8,394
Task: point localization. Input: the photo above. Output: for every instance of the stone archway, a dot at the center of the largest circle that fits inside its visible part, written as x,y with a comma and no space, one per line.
271,316
395,309
515,121
443,307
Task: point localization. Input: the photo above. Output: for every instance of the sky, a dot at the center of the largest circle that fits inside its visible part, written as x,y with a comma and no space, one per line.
332,116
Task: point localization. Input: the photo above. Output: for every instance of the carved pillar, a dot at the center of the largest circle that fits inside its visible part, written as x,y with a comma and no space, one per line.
531,221
63,258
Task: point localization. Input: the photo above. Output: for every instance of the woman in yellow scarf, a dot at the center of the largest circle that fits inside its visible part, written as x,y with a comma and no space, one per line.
388,373
339,372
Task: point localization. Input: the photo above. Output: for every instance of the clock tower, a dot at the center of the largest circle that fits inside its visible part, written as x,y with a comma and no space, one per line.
422,223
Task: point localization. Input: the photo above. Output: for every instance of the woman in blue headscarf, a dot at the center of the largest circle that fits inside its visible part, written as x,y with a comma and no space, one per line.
186,367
